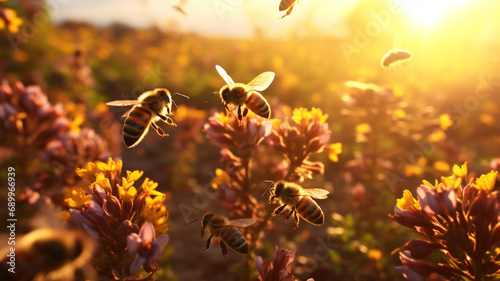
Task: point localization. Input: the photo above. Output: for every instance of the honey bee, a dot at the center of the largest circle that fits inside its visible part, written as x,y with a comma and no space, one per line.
150,107
227,230
299,200
46,254
246,97
287,5
395,56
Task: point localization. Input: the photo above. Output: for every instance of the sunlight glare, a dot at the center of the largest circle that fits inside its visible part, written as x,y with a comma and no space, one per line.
429,12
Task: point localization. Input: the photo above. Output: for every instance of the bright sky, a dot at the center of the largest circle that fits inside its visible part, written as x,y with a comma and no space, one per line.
234,18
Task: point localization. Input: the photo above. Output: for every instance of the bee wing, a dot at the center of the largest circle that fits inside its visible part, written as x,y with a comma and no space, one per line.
123,102
316,193
262,81
242,222
224,75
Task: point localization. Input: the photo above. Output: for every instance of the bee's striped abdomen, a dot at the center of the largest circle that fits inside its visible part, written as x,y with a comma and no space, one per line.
135,125
233,237
310,211
285,4
258,105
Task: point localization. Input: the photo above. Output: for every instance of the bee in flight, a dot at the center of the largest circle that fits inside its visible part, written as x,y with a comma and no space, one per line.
299,200
395,56
246,97
150,107
46,254
287,5
227,230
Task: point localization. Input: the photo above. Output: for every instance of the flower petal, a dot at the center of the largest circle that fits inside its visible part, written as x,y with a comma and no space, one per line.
134,243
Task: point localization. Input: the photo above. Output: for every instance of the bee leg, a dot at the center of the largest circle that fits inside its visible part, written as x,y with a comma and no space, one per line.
167,120
289,214
245,112
240,116
223,248
296,217
278,210
209,241
158,129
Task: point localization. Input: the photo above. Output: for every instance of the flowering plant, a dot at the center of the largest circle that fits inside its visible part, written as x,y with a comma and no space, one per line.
460,220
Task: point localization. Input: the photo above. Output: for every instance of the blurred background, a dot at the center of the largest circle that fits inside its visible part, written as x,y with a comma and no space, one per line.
397,125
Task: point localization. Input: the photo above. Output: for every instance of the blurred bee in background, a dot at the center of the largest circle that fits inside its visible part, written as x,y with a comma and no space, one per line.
179,7
227,230
246,97
150,107
395,56
299,200
287,5
47,254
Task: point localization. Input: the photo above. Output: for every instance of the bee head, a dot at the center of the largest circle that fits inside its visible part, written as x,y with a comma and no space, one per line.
279,188
224,92
164,94
204,222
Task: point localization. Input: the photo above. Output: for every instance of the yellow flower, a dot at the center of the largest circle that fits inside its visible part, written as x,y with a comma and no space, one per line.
334,150
417,169
408,202
103,182
221,177
374,254
10,20
110,167
127,191
363,128
426,183
486,182
451,181
155,212
301,115
77,198
398,113
88,171
441,166
437,136
445,122
460,171
149,188
134,176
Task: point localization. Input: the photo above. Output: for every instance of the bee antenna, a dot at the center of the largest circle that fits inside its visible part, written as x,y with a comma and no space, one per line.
211,96
197,219
271,185
175,104
180,95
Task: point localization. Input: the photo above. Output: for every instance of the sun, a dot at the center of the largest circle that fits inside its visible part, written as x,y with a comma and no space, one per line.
429,12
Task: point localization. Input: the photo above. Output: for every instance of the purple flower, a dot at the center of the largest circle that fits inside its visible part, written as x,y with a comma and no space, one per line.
432,200
146,246
277,269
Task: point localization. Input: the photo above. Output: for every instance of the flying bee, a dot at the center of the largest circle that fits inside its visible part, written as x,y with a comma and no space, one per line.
46,254
227,230
287,5
395,56
150,107
299,200
246,97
